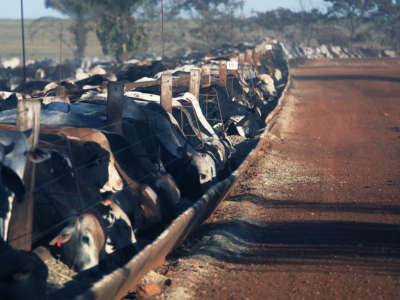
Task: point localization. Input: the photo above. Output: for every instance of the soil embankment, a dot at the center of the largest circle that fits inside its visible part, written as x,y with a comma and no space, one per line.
317,217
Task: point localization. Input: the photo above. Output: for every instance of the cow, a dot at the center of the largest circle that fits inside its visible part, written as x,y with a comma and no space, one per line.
8,100
267,85
142,170
89,237
130,171
71,210
32,87
192,170
59,194
22,274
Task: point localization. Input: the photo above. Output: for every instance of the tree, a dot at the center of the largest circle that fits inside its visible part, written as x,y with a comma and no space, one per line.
117,30
353,12
276,19
79,12
215,17
388,21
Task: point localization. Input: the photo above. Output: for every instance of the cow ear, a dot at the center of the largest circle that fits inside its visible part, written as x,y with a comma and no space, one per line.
63,237
13,181
38,155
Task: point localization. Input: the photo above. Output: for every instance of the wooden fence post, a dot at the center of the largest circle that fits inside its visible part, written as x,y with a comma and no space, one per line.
206,73
21,223
256,55
115,103
166,91
194,84
241,59
222,73
249,56
28,117
60,91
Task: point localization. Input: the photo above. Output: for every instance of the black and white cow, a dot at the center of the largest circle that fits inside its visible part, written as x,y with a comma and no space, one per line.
68,192
13,155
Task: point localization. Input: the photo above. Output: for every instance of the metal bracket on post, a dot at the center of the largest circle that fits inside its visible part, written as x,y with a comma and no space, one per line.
21,223
194,84
115,103
166,91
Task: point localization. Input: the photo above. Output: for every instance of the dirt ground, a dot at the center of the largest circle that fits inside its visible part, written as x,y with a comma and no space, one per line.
317,217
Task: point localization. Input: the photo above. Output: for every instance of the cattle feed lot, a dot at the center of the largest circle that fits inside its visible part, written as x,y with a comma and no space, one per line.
112,167
129,160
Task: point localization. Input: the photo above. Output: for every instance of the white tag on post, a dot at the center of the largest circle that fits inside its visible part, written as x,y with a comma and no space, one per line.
232,65
268,47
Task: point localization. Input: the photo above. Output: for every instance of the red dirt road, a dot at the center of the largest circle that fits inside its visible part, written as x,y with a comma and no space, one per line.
317,217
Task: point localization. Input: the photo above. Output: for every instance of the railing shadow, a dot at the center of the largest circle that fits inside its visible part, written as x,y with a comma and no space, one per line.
346,77
364,208
374,247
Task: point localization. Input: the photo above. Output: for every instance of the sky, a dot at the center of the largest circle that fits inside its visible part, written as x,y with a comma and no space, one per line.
10,9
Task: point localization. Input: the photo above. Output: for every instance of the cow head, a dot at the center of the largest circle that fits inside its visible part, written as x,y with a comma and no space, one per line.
205,166
81,243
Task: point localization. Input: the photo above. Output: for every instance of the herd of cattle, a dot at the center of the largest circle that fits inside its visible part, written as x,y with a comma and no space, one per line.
293,50
98,187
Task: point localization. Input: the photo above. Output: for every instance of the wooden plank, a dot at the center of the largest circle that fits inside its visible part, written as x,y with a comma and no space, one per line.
115,103
21,223
219,57
134,85
166,92
60,91
182,80
194,85
222,73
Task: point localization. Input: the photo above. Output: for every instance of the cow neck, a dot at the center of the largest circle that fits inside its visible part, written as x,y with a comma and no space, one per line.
98,217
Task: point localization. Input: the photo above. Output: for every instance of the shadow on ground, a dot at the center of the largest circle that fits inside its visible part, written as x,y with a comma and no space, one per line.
374,247
346,77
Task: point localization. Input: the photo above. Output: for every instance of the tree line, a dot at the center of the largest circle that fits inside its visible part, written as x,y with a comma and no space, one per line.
119,24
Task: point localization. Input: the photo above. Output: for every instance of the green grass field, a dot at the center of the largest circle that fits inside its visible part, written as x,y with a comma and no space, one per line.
42,39
42,43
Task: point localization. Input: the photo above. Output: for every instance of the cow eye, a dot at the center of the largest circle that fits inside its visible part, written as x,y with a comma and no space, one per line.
86,239
21,276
